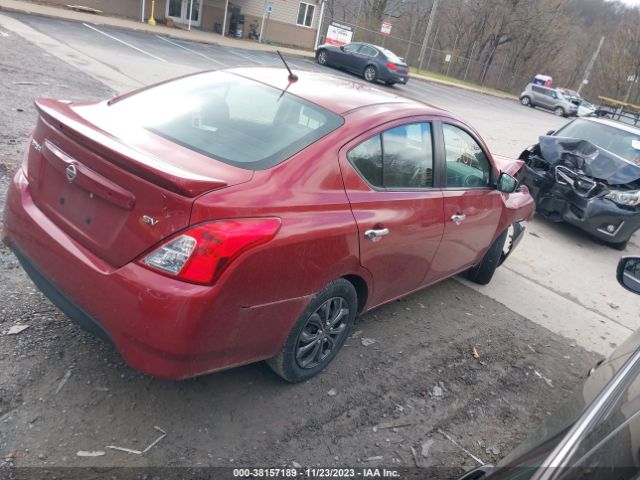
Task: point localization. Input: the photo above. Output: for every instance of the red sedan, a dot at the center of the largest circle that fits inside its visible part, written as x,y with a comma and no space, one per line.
218,220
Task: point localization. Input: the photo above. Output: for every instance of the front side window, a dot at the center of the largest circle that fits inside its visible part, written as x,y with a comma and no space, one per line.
398,158
352,47
467,164
305,14
228,117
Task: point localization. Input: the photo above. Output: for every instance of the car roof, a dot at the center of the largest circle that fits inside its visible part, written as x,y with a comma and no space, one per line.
614,124
336,94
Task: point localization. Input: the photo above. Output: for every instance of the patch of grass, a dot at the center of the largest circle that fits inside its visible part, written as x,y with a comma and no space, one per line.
457,81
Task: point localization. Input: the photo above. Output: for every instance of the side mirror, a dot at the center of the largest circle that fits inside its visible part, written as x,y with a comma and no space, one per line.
629,273
550,132
506,183
342,47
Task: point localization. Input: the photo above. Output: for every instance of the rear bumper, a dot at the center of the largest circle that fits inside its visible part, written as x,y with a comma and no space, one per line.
162,327
396,77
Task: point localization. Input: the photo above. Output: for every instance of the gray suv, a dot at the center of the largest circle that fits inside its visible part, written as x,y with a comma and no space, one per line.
549,98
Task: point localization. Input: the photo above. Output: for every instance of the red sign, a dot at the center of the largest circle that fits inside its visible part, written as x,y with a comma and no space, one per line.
385,29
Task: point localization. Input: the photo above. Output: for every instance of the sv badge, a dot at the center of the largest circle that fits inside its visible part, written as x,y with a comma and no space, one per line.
150,220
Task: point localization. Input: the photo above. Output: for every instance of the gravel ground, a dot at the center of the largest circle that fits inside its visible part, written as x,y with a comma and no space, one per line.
62,391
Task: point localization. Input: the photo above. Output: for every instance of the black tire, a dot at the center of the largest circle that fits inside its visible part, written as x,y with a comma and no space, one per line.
483,272
293,365
559,111
322,57
526,101
370,73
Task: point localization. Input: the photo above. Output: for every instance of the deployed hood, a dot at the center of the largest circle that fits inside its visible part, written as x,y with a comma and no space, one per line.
588,158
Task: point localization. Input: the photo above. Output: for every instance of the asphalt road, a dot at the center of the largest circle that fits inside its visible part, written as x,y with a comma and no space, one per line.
62,391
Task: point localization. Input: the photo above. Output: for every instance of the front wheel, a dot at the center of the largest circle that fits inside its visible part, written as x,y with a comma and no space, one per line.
526,101
559,111
370,74
483,272
318,334
322,57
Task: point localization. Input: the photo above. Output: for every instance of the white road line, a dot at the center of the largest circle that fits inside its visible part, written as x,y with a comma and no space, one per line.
246,57
192,51
124,43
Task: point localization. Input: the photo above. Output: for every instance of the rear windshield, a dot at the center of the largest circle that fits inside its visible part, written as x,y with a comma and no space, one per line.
392,56
230,118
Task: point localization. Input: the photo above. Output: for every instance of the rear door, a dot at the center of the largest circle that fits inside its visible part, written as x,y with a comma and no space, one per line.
538,95
472,208
398,211
363,57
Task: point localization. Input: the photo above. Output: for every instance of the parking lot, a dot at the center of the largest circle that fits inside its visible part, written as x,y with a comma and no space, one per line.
547,316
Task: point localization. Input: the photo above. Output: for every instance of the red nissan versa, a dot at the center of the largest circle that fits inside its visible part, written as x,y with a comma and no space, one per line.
235,216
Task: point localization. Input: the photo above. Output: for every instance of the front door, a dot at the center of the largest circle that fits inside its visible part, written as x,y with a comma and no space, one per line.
397,210
179,11
471,206
344,55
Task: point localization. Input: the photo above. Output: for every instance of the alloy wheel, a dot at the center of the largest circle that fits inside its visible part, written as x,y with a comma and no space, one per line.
324,329
370,74
322,57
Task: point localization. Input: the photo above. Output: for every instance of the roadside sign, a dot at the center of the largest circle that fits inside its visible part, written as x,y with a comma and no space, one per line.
338,34
270,8
385,29
447,57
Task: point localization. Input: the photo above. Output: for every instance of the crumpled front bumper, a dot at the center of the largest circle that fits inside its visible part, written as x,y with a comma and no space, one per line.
596,215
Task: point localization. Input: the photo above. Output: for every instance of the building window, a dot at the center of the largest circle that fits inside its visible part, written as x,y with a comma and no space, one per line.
305,14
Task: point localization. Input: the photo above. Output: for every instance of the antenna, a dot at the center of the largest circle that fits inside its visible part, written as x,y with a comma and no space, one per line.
292,76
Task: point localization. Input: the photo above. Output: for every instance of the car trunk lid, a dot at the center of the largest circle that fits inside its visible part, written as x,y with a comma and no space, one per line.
116,199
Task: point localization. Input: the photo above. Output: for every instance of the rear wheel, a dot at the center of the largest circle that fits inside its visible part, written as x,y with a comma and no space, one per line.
370,73
318,334
559,111
483,272
322,57
526,101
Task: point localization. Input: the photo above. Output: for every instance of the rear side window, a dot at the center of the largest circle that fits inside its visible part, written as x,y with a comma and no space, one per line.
401,157
230,118
368,51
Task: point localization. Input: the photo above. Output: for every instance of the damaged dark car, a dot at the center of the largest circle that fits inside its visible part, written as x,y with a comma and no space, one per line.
588,174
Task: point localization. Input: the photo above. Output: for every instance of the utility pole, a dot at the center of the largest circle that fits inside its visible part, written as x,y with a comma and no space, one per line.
427,32
587,72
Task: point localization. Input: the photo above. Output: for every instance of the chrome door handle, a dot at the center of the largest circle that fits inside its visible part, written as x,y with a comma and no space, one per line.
458,217
371,234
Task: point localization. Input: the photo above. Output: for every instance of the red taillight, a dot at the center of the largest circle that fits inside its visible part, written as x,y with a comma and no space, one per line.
392,66
202,253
